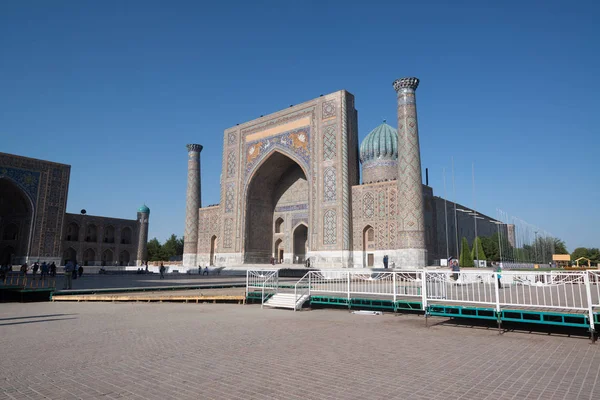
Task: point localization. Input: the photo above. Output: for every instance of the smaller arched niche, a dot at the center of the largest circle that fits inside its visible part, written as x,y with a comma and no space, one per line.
279,225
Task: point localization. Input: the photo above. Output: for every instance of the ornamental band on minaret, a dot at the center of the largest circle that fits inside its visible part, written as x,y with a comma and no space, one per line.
192,204
412,251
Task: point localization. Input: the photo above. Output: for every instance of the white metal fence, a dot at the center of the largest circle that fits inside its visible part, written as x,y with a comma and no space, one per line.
576,291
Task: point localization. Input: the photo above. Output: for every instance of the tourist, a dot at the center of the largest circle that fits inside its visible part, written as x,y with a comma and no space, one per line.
385,261
53,269
206,269
35,268
24,269
75,269
69,268
44,270
455,269
162,271
80,271
199,269
499,273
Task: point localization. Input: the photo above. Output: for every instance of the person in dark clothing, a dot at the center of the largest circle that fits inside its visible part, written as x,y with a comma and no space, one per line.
385,261
80,271
455,269
53,269
162,271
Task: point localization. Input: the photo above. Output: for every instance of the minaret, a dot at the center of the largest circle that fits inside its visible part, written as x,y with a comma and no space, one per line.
143,215
412,251
192,203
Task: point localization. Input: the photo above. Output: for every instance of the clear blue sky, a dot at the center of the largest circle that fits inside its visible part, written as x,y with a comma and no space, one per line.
117,88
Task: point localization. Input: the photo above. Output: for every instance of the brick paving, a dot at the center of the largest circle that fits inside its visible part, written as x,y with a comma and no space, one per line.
219,351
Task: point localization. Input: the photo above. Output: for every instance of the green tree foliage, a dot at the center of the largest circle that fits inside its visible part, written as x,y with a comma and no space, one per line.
490,247
154,250
592,253
479,247
465,260
172,247
559,246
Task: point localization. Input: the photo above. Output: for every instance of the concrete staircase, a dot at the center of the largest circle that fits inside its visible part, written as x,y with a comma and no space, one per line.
287,300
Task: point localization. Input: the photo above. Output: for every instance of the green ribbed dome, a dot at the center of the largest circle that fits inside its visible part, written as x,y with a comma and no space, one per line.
382,142
144,209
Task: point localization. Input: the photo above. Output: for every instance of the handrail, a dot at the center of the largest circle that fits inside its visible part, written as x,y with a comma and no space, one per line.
263,289
296,298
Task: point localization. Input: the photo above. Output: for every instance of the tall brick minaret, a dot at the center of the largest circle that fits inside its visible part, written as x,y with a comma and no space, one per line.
192,204
412,250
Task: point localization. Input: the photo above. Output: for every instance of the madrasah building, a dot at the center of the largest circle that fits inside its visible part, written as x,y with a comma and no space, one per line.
290,190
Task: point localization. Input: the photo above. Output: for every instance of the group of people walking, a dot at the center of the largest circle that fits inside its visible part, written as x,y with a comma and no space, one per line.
45,269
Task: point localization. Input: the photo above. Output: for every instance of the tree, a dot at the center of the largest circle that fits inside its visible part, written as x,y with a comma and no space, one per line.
465,254
171,247
559,246
479,247
490,247
154,250
579,252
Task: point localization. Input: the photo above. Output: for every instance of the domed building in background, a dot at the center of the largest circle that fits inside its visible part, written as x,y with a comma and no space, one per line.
35,227
291,192
379,155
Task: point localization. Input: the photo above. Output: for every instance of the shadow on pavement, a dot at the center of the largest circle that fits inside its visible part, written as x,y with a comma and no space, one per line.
532,329
34,322
35,316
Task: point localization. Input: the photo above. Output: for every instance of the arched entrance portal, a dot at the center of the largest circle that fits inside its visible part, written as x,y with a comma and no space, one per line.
70,255
368,246
16,215
213,246
89,256
300,241
279,251
278,185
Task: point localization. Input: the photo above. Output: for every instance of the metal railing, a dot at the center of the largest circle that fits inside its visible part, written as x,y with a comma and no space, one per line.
18,279
273,285
304,290
569,291
261,279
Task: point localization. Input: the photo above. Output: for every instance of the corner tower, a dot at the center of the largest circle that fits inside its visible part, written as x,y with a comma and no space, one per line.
192,204
412,251
143,216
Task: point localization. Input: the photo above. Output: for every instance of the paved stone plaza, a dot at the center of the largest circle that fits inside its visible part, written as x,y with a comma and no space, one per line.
218,351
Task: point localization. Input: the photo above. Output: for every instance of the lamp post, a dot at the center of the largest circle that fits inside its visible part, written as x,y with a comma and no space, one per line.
536,242
498,223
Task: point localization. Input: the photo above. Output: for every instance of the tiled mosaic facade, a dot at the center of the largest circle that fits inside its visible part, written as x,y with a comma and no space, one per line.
300,167
282,167
34,224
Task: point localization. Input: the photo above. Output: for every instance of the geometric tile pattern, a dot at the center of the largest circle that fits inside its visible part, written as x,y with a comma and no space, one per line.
393,204
328,109
410,211
329,227
296,142
382,204
192,203
229,197
228,233
329,143
231,137
28,181
329,184
231,164
368,206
